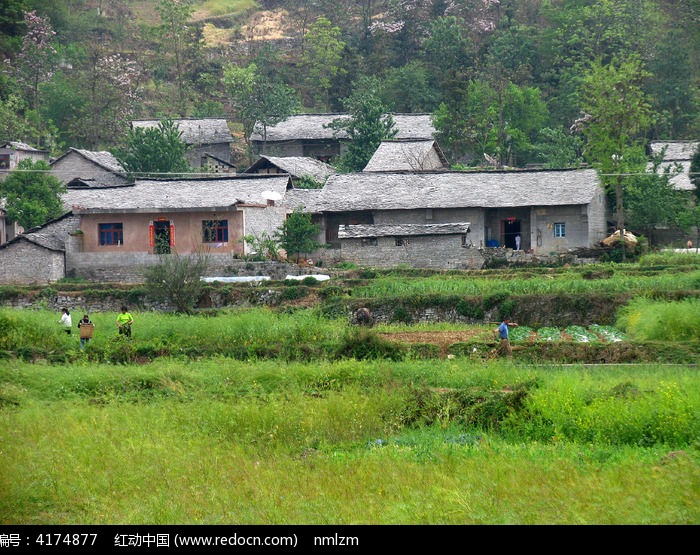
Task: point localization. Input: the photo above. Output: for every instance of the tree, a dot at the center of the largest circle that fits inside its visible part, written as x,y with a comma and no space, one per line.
32,196
367,124
155,150
258,100
557,149
36,61
322,56
297,234
176,278
617,114
651,200
179,44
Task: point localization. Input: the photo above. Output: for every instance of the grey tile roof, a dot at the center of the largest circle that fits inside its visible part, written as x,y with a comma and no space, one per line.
403,191
102,158
296,166
17,145
407,155
150,195
680,181
675,150
205,131
312,126
388,230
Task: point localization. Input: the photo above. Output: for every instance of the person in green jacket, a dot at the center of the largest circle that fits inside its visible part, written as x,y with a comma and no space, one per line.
124,322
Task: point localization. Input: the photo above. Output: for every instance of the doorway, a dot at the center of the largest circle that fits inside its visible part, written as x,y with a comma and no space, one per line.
162,238
510,230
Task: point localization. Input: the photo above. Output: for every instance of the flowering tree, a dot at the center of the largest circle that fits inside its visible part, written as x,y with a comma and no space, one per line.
36,61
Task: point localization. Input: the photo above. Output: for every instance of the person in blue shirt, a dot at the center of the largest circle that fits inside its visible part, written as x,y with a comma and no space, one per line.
504,335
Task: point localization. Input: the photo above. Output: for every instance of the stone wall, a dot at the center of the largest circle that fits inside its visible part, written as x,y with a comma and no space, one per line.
25,263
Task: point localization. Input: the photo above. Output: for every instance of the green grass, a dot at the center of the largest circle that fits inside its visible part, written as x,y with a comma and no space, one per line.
221,442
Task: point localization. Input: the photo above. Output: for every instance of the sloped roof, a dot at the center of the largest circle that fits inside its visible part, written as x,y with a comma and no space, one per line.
102,158
402,191
404,156
205,131
16,145
184,194
388,230
44,235
313,127
296,166
680,181
675,150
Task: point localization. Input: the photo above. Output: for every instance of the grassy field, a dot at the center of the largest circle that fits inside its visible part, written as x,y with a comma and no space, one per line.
277,417
223,441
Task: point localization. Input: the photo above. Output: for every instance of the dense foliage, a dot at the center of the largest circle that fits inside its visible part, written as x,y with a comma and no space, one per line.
506,69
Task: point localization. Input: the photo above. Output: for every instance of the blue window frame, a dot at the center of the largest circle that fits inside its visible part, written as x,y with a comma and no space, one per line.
215,231
560,229
111,234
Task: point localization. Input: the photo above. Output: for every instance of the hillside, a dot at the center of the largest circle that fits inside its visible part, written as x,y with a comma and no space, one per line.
109,62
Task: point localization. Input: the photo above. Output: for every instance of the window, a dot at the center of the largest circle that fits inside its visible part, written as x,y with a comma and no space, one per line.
215,231
369,241
560,229
111,234
4,161
401,242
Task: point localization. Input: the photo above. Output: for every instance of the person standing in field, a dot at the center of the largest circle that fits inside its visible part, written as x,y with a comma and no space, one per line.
504,334
85,326
124,322
66,321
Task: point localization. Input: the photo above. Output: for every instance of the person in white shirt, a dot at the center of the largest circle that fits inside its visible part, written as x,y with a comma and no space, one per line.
66,321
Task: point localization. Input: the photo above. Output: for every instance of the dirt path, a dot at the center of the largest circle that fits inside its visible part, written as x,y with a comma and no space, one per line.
443,339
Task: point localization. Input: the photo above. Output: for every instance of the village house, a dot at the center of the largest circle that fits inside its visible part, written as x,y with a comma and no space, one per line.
297,167
13,152
308,135
377,218
407,155
88,168
122,228
37,256
208,140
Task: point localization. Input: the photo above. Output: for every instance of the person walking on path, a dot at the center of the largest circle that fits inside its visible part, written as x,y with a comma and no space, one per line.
124,322
86,327
66,321
504,334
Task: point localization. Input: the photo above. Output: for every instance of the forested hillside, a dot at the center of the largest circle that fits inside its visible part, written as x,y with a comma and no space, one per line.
513,79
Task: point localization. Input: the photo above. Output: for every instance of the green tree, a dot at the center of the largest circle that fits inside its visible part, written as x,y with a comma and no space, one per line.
178,46
367,124
651,200
556,149
32,196
323,52
297,235
258,100
616,116
406,89
155,150
176,278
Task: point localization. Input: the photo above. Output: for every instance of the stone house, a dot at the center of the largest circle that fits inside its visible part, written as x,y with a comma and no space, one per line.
297,167
123,229
206,138
37,256
12,152
307,135
88,168
551,211
407,155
